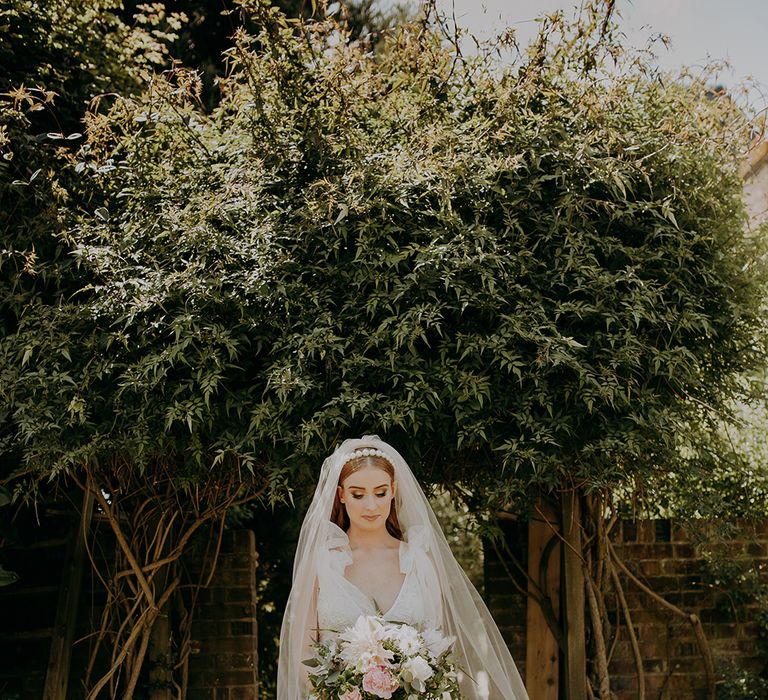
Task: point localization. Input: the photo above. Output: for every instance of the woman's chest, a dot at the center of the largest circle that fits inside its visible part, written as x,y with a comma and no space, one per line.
340,602
378,578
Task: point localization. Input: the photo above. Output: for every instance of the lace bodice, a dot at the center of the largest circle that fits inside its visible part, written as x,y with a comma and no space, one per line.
340,602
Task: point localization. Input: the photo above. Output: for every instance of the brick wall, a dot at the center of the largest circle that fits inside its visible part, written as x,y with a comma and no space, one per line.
223,665
663,555
224,641
506,604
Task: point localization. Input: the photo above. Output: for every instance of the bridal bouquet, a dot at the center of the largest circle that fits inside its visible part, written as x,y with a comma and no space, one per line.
379,659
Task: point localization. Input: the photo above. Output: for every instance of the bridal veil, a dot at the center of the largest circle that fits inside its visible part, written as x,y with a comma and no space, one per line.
479,647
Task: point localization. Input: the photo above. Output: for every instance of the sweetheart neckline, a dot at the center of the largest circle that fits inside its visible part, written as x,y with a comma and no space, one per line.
399,592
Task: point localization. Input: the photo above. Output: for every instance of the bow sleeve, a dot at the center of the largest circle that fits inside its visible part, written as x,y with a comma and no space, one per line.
335,555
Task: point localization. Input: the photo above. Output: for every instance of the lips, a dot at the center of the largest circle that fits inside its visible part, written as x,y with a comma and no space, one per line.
370,517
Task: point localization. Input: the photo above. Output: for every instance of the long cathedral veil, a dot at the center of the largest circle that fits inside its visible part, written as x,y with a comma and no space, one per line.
480,649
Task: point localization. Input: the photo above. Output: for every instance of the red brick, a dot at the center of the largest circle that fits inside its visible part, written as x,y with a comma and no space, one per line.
748,629
204,629
721,630
682,649
691,664
686,681
247,693
242,628
747,646
684,551
201,694
224,678
650,567
228,562
239,595
227,611
241,645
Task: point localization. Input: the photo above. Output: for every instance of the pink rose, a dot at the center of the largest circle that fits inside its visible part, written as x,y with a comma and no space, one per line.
379,682
353,694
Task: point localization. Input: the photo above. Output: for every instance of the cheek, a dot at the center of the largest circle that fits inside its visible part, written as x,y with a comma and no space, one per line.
356,506
350,504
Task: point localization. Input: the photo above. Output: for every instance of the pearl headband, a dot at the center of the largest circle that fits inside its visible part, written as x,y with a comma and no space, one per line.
365,452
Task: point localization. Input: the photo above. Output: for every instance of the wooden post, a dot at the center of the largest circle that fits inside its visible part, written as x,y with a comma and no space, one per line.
541,649
575,666
160,676
57,675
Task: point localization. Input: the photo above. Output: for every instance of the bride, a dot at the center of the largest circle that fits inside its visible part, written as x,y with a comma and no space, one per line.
371,545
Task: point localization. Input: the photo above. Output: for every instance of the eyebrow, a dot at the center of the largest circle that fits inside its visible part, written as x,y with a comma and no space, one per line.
362,488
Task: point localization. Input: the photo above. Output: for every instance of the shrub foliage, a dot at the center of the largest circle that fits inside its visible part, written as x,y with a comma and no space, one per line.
532,273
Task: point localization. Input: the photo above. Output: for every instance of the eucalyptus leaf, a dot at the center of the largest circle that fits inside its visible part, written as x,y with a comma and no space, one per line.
7,577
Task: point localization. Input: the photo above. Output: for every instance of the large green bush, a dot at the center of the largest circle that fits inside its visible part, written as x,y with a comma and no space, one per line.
56,56
528,274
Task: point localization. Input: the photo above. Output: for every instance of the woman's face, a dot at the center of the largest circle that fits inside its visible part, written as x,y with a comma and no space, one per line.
367,495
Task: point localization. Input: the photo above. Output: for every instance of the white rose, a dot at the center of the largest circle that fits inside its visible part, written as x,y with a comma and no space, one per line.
418,669
365,661
407,640
436,643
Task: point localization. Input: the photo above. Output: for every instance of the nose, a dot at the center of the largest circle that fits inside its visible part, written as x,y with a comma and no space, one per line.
370,503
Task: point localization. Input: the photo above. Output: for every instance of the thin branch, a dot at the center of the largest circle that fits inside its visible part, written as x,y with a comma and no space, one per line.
597,631
124,544
629,622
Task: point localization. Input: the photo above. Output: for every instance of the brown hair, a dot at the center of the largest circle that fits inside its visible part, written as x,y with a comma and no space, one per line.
339,512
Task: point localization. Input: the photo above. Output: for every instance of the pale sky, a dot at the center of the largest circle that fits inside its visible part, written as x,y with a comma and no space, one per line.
699,30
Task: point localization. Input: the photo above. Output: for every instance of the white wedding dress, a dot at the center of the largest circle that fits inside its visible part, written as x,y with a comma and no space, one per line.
340,602
435,592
